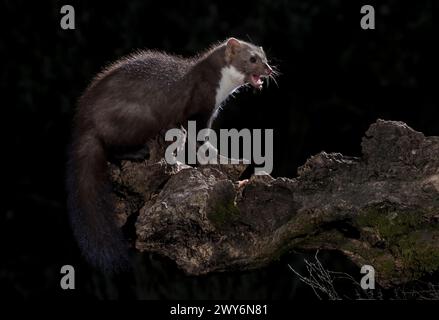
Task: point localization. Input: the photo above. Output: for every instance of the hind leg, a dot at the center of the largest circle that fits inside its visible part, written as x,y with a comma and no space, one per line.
138,153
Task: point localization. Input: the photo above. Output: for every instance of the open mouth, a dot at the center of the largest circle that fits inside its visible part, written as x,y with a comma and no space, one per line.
256,81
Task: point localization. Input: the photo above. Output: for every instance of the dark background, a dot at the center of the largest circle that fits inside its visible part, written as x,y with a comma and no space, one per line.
336,79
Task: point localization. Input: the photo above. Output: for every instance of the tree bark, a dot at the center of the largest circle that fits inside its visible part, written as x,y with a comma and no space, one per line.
381,209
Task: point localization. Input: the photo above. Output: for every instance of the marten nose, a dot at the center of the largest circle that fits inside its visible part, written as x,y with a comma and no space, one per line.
268,69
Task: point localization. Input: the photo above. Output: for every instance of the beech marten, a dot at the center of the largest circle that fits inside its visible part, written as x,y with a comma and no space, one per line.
130,102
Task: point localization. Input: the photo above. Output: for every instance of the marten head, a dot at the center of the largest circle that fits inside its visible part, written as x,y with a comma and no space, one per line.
248,59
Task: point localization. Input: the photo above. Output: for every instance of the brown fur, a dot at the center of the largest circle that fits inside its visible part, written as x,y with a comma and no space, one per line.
128,103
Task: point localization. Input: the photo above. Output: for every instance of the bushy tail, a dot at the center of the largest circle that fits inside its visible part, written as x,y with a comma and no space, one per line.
90,205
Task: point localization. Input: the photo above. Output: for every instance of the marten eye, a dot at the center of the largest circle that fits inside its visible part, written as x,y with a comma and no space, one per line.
253,59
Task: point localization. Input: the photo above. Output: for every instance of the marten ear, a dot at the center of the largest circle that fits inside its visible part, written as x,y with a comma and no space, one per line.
233,43
232,47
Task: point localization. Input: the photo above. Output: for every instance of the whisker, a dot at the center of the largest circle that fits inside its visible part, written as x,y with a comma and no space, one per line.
274,80
275,70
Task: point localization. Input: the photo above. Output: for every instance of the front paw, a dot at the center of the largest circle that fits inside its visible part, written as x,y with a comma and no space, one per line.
241,184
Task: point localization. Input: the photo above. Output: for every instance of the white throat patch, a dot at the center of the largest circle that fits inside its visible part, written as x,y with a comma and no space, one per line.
231,79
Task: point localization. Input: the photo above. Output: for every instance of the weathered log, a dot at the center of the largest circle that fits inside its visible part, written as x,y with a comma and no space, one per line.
380,209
